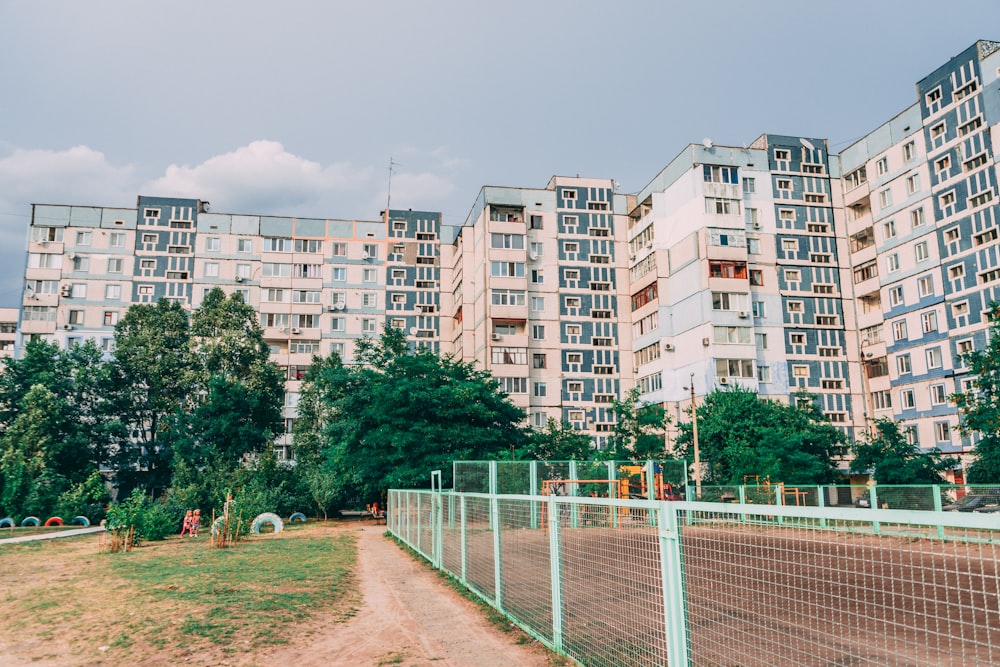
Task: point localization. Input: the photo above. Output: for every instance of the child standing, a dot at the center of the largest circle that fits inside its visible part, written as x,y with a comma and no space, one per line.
195,523
188,525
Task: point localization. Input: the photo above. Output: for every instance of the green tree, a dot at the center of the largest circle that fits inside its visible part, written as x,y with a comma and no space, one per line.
399,414
156,372
640,428
893,460
740,434
557,441
980,406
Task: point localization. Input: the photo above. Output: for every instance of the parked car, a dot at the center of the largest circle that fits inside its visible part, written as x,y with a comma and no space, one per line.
987,501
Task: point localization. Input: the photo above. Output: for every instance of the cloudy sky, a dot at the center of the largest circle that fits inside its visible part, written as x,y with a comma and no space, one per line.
297,108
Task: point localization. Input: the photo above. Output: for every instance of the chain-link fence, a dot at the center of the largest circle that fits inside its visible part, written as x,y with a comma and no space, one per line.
636,582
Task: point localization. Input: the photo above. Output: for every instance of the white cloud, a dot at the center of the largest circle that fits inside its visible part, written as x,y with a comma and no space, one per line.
78,175
420,190
261,177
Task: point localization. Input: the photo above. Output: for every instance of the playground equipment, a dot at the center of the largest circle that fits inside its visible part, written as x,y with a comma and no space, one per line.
54,521
267,518
633,482
80,519
298,516
6,522
30,521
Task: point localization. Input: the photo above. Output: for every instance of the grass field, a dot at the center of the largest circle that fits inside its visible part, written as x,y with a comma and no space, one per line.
66,602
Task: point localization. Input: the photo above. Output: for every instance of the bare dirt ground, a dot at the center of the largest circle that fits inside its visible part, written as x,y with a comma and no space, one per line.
410,617
406,615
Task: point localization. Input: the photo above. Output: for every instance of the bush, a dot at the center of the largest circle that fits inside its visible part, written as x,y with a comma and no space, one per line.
89,499
151,520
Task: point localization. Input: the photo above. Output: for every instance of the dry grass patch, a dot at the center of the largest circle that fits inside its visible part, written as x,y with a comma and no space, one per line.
64,602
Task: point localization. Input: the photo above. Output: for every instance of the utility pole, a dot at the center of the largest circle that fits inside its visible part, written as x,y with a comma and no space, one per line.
694,433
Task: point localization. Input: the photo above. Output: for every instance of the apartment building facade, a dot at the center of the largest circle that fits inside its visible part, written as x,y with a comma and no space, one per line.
858,278
536,291
736,277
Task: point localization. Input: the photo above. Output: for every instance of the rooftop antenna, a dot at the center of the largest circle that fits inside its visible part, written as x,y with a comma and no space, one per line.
388,194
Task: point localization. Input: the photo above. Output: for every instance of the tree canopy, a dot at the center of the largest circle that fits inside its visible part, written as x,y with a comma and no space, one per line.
398,414
739,435
980,406
893,460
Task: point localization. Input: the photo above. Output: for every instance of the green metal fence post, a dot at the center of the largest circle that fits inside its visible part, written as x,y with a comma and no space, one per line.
936,490
437,516
465,551
612,491
873,505
573,490
779,500
674,606
533,490
821,502
555,574
497,556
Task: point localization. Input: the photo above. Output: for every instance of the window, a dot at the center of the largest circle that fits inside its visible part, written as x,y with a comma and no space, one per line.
537,303
928,321
899,330
925,286
912,184
790,245
758,309
749,187
720,206
732,335
885,198
719,269
763,373
734,368
313,246
896,296
368,325
112,292
369,251
84,238
719,174
794,306
507,269
338,249
538,360
921,251
369,275
980,199
110,318
368,299
510,355
339,274
942,432
889,229
906,399
917,217
537,331
273,244
903,364
506,297
244,245
892,262
507,241
783,184
882,166
865,271
117,239
115,265
800,371
729,301
933,357
909,151
213,244
539,387
782,154
881,400
938,394
537,276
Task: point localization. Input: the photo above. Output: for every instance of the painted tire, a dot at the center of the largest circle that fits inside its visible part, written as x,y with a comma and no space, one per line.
6,522
30,521
267,517
54,521
82,520
298,516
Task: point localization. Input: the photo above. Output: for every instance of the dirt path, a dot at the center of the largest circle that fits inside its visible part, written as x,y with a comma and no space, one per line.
409,617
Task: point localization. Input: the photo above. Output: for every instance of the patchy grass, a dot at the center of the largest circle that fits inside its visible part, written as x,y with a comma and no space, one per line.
167,601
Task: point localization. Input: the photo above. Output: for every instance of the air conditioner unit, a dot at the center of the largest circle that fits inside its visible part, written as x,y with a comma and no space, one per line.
295,330
332,307
68,327
705,342
365,255
66,290
723,380
756,225
71,255
281,328
496,336
669,347
239,279
533,256
649,244
743,314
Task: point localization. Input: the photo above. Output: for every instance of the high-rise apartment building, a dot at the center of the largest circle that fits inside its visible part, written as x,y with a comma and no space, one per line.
736,276
857,278
537,295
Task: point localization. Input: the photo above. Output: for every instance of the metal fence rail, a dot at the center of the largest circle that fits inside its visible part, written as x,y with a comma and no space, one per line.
638,582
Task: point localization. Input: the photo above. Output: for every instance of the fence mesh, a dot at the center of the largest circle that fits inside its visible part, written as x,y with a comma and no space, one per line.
759,586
